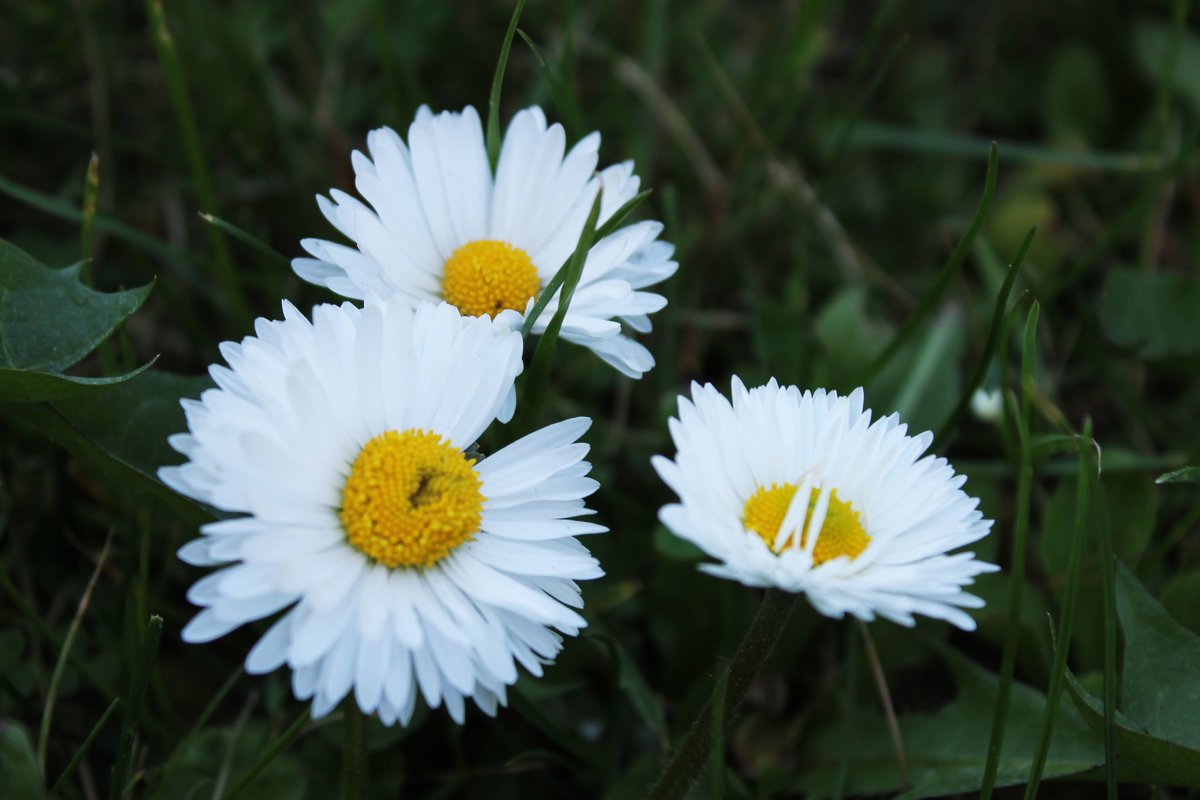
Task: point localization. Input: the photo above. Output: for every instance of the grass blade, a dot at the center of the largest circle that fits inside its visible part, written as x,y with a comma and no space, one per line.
256,244
172,68
1107,586
492,137
849,704
1067,618
571,121
1012,633
941,282
688,760
91,189
608,227
64,654
989,346
277,747
133,706
538,376
83,748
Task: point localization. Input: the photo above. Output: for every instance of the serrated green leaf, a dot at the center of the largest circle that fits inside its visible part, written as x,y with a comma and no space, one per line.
19,777
48,319
946,750
27,386
1161,685
1152,312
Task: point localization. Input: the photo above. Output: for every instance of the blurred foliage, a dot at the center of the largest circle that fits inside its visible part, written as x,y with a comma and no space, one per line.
815,167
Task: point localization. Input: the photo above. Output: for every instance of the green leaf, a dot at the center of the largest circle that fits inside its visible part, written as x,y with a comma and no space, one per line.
1182,475
1181,598
1134,506
132,421
631,681
19,778
122,433
27,386
1140,756
1161,685
198,762
48,319
946,750
675,548
1152,312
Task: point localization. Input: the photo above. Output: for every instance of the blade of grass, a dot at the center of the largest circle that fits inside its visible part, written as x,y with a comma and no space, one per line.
64,655
716,758
268,755
989,346
91,189
1107,587
231,748
941,281
1067,617
689,758
26,610
226,275
841,139
571,123
256,244
885,698
492,137
73,764
1012,633
873,135
538,376
547,294
849,704
133,707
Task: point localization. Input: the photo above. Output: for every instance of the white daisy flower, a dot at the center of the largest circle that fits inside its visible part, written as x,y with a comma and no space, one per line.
404,563
441,228
803,492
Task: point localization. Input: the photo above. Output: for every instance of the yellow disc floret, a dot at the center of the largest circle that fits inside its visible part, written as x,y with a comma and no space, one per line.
411,499
841,534
486,277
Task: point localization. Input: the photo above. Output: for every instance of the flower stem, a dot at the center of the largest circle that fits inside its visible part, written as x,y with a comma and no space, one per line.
885,698
354,752
752,653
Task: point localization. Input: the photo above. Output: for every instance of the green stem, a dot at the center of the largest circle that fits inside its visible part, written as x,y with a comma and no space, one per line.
354,751
849,705
752,653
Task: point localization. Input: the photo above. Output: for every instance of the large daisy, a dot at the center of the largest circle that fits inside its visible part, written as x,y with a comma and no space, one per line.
406,562
803,492
440,227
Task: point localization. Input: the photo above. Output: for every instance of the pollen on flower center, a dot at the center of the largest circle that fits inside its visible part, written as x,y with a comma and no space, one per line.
841,534
487,276
411,499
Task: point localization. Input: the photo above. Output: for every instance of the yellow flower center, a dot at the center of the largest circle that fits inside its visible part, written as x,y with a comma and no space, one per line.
486,277
842,534
410,499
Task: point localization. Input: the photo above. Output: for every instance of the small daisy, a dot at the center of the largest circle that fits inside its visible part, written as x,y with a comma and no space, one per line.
405,561
803,492
440,227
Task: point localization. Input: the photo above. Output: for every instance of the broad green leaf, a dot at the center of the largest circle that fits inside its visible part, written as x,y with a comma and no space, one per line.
631,681
122,433
19,777
1181,598
849,337
1161,684
1152,312
132,421
196,766
1140,756
48,319
27,386
1181,475
946,750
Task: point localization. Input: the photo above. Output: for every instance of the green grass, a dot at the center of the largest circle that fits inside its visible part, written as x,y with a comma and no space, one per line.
820,171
